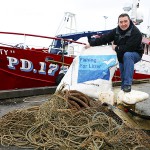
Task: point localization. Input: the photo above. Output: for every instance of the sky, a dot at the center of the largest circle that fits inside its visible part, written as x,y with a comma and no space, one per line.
43,17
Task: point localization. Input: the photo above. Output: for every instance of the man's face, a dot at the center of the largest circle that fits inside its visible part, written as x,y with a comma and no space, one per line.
124,22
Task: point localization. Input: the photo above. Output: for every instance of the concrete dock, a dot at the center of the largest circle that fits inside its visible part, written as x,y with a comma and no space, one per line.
8,104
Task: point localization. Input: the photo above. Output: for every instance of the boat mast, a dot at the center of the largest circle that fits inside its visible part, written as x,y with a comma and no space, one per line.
68,24
136,16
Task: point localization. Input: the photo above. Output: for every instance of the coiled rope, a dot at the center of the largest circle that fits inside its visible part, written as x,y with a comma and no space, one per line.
69,120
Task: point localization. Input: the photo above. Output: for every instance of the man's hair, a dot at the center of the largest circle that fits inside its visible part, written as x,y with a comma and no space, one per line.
123,15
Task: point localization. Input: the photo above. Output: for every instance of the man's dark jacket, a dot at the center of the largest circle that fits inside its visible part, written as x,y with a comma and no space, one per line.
129,40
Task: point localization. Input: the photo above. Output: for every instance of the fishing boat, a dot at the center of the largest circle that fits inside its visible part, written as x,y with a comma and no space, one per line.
23,66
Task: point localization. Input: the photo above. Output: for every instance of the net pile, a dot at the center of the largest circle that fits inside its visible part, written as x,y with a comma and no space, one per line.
70,120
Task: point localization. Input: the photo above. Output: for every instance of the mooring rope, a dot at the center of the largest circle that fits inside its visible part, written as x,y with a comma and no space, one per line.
69,120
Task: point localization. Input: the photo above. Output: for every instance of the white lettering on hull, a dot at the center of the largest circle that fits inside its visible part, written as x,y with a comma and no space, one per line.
3,52
12,62
28,66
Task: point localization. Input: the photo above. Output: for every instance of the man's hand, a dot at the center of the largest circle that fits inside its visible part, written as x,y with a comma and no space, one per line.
113,46
87,46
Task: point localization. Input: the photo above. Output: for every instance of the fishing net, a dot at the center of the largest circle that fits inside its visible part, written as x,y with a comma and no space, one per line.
70,120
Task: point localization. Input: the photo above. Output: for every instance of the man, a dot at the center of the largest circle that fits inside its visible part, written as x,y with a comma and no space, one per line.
126,41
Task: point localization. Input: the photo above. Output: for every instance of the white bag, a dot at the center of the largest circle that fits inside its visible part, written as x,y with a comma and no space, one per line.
132,97
107,97
92,71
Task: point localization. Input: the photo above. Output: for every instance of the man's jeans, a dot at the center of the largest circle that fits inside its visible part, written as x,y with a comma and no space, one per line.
127,67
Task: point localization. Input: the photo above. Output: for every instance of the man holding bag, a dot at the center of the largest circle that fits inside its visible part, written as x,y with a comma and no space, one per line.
127,42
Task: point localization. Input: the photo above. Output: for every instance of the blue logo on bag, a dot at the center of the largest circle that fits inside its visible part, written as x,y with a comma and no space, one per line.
95,67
